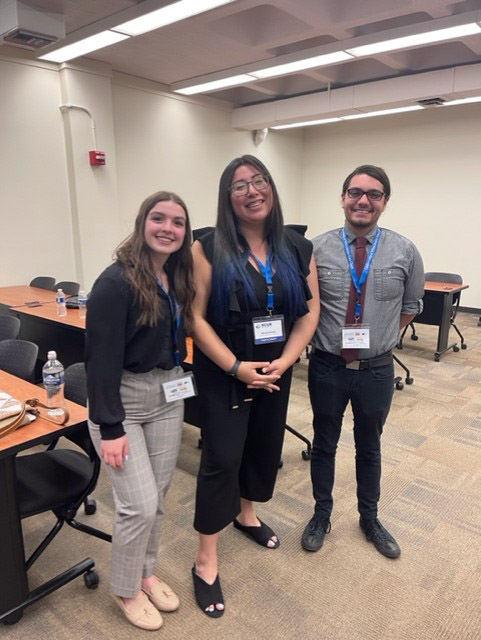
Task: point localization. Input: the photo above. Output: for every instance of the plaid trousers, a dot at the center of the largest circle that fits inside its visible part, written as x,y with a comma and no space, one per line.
153,429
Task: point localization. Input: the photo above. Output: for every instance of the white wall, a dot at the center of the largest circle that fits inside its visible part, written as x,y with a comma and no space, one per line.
63,217
35,222
165,141
433,159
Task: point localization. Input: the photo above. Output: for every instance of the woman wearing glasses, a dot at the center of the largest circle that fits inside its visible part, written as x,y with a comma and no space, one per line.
255,310
135,343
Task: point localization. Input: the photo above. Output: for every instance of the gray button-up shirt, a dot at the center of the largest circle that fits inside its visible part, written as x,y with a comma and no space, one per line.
395,285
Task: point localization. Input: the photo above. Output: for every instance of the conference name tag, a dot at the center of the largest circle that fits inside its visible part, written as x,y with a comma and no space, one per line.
355,336
180,388
268,329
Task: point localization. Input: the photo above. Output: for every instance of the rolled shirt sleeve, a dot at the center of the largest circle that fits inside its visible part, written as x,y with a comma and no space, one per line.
412,303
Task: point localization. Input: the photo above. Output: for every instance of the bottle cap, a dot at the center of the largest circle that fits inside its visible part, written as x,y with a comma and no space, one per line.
52,355
59,290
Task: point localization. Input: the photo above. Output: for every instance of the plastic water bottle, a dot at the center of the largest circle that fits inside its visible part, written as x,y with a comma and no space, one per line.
53,381
60,300
82,304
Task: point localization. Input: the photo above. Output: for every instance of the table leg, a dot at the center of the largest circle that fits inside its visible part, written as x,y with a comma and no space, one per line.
14,582
444,326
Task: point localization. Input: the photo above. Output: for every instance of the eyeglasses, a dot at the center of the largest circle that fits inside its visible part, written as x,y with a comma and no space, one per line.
241,188
372,194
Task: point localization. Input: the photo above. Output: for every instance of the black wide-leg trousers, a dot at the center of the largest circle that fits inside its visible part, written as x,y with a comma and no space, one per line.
241,447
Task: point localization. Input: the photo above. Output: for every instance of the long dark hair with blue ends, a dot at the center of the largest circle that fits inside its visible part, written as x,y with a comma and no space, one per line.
231,250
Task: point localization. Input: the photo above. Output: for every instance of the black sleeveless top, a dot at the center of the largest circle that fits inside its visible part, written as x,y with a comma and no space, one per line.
237,333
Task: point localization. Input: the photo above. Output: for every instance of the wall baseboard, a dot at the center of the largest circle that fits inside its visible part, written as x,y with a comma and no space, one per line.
475,310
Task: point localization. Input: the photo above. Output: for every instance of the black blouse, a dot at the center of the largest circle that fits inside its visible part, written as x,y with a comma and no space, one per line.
114,342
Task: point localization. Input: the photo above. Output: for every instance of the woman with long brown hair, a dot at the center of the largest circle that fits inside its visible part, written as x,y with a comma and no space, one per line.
138,311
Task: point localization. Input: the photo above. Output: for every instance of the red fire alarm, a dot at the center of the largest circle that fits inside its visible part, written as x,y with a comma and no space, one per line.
97,157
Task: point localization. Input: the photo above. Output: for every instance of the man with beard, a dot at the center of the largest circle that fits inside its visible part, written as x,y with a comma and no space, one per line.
371,283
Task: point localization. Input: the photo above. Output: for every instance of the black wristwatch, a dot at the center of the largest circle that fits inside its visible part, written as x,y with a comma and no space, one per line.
234,369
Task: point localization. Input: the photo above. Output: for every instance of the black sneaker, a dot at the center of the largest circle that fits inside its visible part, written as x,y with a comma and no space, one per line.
380,537
314,533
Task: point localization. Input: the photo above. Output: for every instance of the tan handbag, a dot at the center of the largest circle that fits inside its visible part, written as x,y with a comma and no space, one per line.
13,413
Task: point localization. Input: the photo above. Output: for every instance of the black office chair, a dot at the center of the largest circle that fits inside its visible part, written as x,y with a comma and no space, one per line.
452,278
76,390
398,381
43,282
9,327
18,357
68,287
60,480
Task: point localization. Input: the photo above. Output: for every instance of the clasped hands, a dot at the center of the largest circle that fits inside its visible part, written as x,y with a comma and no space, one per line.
262,375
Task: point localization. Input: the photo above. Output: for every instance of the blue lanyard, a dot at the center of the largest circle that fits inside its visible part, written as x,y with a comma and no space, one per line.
176,321
266,271
358,282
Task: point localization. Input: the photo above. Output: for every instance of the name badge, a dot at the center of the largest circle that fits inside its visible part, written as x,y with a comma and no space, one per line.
355,336
180,388
269,329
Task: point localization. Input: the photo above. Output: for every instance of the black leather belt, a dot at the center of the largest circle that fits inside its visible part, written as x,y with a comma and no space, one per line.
358,365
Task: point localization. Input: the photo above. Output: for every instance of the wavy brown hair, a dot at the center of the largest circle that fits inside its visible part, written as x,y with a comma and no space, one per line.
133,254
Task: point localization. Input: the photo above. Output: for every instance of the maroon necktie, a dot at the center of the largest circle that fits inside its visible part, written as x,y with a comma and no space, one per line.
360,258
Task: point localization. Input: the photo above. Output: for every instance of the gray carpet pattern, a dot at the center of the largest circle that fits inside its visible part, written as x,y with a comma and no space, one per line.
431,502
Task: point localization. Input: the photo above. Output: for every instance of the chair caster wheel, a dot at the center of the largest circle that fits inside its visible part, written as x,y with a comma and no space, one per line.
306,455
414,338
281,463
13,618
90,506
436,357
399,386
409,380
464,346
91,579
456,348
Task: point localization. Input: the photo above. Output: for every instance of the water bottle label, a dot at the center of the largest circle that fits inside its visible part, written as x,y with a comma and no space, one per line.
53,379
60,299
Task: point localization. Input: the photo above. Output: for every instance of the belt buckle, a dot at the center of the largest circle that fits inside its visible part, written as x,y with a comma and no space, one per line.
353,365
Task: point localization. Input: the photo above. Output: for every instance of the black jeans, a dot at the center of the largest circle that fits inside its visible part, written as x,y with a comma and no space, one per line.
370,391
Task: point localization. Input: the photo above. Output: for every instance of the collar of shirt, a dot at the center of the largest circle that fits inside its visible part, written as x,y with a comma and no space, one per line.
351,236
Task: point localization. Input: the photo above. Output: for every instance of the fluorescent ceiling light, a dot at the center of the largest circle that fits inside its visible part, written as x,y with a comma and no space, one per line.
167,15
416,39
305,124
383,112
309,63
215,84
452,103
80,48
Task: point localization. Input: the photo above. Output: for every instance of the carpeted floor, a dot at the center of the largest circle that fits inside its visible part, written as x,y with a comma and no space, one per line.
431,502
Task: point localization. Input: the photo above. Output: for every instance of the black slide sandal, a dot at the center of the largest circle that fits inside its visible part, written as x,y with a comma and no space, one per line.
261,534
207,594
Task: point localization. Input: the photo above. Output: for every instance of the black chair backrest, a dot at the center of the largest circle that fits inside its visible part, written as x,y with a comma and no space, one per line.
75,390
68,287
300,228
437,276
43,282
198,233
9,327
18,357
76,383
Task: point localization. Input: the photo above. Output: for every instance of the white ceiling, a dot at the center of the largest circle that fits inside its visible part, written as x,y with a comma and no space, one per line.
248,32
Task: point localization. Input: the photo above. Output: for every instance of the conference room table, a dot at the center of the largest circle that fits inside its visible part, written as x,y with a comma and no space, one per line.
37,312
438,304
14,588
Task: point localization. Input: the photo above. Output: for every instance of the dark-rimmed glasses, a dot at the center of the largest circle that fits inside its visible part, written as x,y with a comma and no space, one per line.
373,194
241,188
